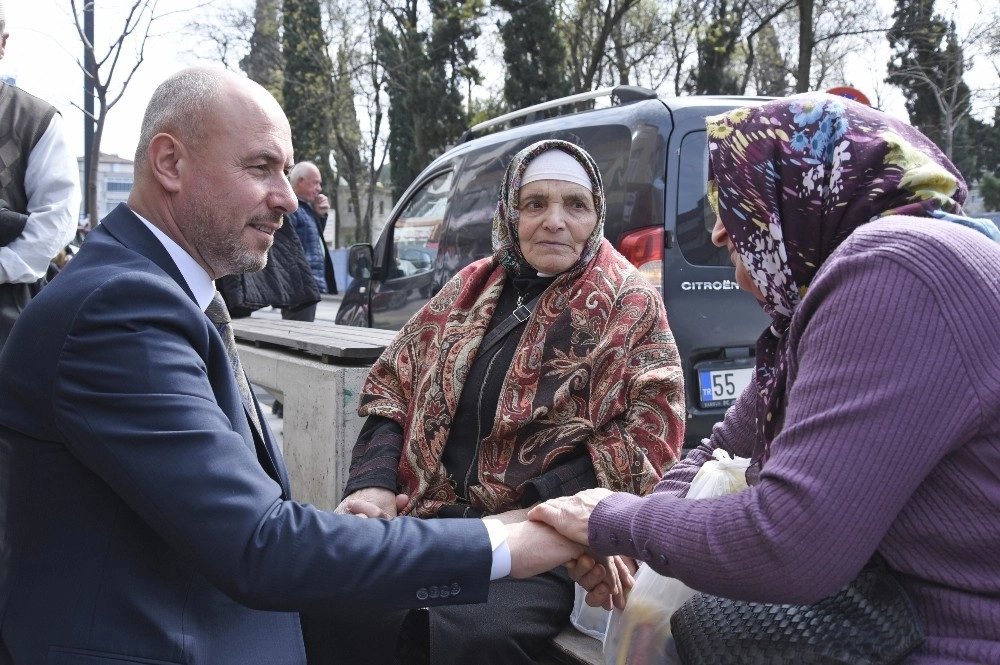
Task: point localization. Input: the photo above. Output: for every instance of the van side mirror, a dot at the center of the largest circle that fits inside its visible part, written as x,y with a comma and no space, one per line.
360,261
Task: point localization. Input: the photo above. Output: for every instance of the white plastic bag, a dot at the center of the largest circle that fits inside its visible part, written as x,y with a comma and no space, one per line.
720,476
589,620
640,634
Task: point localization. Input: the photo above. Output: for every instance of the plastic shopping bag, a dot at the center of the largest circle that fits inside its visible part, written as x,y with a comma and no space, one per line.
589,620
640,634
719,476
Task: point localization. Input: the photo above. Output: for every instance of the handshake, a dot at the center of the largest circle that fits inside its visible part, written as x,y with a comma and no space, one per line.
540,538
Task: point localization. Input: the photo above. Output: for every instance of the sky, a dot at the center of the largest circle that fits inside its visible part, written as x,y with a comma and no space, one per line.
43,50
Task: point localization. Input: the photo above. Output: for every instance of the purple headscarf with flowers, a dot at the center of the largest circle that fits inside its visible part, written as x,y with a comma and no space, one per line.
791,179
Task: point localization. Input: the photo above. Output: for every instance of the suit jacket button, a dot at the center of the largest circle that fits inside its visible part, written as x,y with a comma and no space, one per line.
434,591
455,588
422,594
445,591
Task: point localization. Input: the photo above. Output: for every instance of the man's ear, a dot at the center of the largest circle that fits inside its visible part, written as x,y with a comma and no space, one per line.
166,155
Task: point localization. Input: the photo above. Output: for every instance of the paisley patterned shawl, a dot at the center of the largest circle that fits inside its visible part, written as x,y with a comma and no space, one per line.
596,368
791,179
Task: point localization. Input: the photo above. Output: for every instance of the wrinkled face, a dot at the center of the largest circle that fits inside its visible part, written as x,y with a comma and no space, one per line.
309,186
235,189
720,237
556,218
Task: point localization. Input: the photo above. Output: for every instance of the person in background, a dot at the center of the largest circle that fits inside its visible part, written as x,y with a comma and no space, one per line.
285,282
145,509
309,222
873,421
544,369
39,193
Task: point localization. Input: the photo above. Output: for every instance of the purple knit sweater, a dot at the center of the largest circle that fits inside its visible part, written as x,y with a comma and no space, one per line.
890,442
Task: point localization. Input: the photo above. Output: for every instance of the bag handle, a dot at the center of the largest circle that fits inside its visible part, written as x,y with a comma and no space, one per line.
517,317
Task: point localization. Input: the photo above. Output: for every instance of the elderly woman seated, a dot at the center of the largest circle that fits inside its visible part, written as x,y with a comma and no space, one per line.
543,370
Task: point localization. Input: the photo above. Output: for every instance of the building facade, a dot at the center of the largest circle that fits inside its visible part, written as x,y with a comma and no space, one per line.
114,182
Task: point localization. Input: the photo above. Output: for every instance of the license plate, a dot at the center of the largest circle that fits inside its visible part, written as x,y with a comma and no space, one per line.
721,387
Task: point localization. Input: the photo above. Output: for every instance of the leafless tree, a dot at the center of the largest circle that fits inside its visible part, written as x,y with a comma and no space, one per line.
588,26
360,127
113,69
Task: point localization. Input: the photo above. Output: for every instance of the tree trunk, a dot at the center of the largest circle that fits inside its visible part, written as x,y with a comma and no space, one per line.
95,160
802,83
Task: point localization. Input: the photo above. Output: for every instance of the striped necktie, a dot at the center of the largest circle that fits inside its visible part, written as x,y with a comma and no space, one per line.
218,314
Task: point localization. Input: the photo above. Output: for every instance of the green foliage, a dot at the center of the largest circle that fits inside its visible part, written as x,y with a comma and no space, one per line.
770,72
486,109
989,188
716,47
265,62
308,89
926,65
452,51
426,72
534,53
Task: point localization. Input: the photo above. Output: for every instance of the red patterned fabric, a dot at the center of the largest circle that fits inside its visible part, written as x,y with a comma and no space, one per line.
596,367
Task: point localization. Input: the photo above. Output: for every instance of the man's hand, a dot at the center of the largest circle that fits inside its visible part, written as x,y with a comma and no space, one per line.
569,514
321,205
536,548
373,502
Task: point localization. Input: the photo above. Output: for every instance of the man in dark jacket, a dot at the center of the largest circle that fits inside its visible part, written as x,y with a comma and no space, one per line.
285,282
309,222
145,510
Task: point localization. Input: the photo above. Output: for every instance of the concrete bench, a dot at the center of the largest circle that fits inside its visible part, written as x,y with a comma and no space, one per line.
571,647
316,369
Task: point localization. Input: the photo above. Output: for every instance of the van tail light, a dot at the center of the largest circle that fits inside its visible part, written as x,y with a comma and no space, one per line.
644,250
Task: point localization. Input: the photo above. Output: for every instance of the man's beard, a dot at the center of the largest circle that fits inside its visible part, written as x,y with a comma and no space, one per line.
231,255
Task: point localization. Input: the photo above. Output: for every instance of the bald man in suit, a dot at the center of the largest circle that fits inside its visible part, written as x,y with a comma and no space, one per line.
145,510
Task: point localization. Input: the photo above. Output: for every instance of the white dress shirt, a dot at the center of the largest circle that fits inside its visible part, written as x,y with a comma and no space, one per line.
52,185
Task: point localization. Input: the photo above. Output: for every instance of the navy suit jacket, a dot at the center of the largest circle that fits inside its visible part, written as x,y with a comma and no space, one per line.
137,524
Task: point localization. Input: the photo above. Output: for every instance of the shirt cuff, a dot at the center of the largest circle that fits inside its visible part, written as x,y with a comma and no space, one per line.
501,552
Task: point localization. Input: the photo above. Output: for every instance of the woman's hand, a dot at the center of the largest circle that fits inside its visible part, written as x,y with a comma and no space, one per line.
607,580
373,502
569,514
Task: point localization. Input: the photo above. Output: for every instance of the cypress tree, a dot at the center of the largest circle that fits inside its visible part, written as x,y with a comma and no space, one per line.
265,62
308,88
425,72
533,52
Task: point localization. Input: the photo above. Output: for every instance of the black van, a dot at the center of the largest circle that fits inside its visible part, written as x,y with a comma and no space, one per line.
652,156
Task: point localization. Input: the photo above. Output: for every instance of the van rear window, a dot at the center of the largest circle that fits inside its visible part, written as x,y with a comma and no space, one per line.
695,218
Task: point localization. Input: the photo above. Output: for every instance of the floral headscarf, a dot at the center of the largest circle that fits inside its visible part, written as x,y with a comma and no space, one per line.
506,242
791,179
